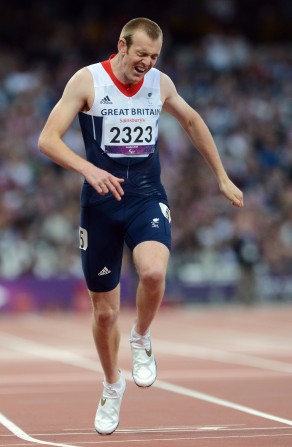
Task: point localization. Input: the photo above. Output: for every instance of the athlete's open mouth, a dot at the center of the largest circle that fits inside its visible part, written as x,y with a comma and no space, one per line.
140,70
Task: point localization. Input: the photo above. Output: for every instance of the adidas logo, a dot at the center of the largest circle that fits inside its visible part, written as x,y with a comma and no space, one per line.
106,100
104,271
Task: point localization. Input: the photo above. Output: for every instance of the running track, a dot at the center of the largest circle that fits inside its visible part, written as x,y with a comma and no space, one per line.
225,379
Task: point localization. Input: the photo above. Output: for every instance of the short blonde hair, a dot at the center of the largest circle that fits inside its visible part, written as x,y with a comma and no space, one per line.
148,26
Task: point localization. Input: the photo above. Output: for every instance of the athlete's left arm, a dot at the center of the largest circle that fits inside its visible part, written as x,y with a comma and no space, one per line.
200,136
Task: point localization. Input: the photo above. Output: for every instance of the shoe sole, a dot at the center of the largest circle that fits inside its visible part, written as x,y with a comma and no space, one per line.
146,386
106,434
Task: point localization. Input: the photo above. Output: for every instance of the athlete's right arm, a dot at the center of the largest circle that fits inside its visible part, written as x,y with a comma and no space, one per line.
75,98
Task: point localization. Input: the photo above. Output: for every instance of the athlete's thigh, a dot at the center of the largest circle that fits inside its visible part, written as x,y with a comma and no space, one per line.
101,244
150,221
151,256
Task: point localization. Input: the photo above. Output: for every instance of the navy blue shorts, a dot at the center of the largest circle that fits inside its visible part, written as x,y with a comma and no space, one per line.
105,227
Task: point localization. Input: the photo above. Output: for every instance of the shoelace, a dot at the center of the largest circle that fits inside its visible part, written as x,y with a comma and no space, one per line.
143,340
109,392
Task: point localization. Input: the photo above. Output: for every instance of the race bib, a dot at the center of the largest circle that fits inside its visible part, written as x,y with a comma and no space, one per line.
131,137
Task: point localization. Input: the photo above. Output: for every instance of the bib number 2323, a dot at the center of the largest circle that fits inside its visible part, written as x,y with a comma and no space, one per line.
130,135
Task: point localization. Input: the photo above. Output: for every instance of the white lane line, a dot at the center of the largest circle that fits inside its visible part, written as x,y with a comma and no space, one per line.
164,347
185,350
43,390
49,352
217,401
219,374
17,431
126,431
199,428
191,428
112,440
34,379
69,358
177,439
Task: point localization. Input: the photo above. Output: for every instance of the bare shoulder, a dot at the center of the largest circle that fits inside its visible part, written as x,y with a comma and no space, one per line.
79,89
173,103
80,82
167,87
82,75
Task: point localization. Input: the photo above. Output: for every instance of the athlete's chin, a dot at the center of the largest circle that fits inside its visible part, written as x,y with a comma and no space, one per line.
138,76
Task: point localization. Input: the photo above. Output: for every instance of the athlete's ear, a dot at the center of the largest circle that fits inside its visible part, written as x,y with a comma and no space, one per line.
122,46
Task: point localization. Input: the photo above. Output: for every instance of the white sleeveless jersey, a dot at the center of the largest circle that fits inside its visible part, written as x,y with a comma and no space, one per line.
124,121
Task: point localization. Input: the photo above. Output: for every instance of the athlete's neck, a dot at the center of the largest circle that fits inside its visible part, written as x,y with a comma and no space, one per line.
117,69
128,89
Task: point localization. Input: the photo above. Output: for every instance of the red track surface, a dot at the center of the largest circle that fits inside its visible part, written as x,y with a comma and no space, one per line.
225,379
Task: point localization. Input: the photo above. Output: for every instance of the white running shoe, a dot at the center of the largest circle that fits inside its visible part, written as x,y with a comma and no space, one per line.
144,369
108,411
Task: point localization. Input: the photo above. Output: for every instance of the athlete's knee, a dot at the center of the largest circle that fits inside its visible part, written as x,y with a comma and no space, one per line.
106,316
105,309
152,276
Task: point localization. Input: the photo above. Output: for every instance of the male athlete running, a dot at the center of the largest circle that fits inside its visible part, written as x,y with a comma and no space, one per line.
119,102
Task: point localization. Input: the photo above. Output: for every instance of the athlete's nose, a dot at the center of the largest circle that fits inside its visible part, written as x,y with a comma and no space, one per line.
147,61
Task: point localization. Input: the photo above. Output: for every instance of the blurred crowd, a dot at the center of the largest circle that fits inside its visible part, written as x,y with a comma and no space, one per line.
242,91
245,95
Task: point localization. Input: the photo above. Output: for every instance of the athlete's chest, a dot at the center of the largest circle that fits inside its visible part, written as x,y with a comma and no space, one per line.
113,105
129,124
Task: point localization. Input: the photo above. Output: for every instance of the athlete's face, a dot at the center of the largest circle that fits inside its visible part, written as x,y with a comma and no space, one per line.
140,57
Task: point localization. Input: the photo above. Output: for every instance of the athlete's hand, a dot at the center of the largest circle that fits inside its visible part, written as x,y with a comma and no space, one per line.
231,192
104,182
